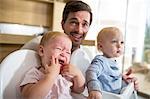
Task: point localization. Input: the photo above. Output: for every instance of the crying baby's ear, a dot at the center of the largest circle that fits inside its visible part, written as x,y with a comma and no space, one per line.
40,50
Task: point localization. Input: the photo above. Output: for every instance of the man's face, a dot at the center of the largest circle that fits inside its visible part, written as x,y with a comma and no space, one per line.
76,26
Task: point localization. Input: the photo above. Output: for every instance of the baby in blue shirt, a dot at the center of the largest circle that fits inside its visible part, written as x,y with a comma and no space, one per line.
103,73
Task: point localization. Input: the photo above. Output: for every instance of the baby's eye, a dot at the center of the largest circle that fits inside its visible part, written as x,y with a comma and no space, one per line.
68,52
114,41
122,42
59,48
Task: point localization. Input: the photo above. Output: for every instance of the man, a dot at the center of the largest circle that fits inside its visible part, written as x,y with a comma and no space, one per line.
77,18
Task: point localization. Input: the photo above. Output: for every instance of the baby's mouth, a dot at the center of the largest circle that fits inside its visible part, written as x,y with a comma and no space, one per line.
118,51
61,62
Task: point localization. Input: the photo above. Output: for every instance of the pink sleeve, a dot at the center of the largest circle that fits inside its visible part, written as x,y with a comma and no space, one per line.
32,76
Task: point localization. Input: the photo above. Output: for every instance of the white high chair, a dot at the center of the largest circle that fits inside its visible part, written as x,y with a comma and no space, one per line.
128,93
12,70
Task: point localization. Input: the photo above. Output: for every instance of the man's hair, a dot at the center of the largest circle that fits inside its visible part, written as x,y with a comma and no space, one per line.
51,35
74,6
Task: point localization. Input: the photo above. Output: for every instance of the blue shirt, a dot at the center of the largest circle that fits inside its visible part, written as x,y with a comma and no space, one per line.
103,75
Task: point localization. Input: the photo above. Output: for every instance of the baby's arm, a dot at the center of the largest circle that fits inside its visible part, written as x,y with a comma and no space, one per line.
40,89
78,78
78,81
95,95
92,81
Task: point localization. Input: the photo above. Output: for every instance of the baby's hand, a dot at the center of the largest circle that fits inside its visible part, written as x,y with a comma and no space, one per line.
95,95
69,70
54,67
127,77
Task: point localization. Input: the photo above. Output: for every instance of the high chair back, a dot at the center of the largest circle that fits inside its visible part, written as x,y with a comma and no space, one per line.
13,69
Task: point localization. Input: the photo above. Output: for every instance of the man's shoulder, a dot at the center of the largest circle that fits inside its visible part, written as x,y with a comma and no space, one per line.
80,54
79,51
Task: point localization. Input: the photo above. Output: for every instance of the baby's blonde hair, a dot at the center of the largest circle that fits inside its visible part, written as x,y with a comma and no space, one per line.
103,32
51,35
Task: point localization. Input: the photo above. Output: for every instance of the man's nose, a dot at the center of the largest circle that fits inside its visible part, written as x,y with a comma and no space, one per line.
79,28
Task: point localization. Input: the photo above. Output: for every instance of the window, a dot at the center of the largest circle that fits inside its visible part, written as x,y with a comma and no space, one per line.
133,18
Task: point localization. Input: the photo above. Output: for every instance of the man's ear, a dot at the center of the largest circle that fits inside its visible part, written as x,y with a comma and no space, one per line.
62,24
41,50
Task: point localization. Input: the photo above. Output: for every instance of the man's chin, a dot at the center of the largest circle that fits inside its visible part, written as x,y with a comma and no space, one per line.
76,44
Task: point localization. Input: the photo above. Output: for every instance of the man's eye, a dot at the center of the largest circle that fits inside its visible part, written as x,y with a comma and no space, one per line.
85,25
73,22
